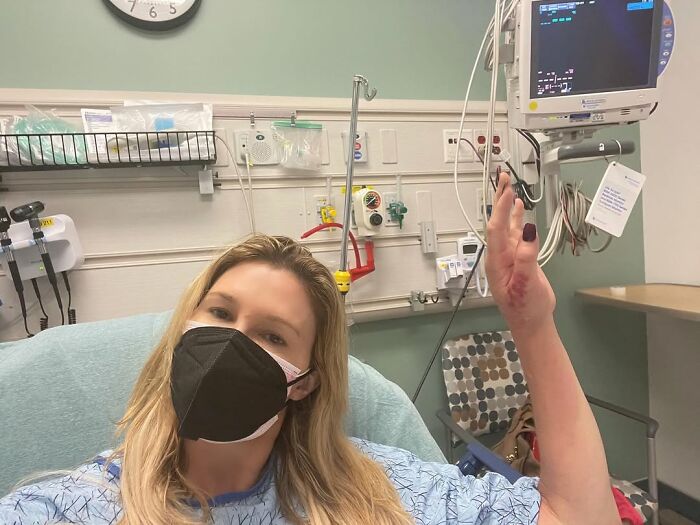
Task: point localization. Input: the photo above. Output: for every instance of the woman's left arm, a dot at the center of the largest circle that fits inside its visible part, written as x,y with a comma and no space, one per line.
574,483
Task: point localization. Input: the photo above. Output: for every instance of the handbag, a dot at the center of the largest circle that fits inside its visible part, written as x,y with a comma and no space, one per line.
515,447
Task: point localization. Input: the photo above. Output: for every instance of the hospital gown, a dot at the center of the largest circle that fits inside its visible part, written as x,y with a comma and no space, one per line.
432,493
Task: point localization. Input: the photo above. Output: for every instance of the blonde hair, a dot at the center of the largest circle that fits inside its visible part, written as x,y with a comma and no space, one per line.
318,471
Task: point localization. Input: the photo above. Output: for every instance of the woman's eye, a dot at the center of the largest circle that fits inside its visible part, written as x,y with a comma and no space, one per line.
275,339
220,313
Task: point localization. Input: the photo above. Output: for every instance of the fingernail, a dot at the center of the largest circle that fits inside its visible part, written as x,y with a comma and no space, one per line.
529,232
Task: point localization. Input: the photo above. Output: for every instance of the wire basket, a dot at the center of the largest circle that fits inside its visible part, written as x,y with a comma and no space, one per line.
30,152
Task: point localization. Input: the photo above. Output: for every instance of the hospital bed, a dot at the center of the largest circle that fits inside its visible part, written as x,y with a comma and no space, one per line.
62,391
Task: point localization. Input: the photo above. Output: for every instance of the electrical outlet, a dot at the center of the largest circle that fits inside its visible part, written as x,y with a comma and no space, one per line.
480,138
449,145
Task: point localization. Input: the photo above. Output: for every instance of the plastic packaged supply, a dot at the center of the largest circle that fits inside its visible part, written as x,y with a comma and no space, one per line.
43,139
300,144
154,127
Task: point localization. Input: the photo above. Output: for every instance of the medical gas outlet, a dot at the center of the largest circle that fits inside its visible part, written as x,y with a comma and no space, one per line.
368,212
397,211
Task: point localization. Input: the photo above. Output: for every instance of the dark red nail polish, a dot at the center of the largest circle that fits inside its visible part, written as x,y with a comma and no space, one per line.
529,232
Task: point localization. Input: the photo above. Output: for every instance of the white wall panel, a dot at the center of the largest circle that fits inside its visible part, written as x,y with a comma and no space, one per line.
147,231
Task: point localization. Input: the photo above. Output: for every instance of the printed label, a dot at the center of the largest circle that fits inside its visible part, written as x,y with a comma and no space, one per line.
615,199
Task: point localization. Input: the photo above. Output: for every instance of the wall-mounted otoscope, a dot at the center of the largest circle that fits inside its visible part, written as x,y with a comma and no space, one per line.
6,245
30,212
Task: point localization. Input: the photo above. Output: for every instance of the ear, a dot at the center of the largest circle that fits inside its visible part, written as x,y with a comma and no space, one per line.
304,387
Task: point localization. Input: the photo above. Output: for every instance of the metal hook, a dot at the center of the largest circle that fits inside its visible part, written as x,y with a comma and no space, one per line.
252,119
369,94
619,154
619,146
293,119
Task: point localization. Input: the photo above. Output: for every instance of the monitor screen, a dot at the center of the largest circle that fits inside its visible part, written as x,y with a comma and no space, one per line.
593,46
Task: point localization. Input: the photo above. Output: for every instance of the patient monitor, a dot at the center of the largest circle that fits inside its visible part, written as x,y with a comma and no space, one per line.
586,62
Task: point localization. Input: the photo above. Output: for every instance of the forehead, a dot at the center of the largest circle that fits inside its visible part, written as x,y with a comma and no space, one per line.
259,287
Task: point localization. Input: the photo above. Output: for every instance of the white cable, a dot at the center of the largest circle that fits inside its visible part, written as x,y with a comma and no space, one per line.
571,199
540,181
461,130
549,247
250,190
513,6
526,190
251,220
483,292
538,199
488,34
554,236
489,50
492,103
576,204
491,42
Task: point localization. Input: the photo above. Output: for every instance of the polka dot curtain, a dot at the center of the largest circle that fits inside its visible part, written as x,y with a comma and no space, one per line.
484,381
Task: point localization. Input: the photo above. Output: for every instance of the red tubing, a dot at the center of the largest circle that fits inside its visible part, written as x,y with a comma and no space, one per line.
361,271
358,262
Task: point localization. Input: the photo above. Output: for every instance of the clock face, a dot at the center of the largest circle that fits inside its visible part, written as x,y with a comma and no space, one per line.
154,14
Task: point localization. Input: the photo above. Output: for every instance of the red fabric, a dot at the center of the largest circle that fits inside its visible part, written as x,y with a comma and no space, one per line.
628,513
532,439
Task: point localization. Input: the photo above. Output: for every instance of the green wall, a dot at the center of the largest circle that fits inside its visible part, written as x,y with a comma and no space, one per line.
607,347
408,49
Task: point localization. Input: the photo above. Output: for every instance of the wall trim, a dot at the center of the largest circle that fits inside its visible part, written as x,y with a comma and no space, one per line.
69,101
358,310
123,259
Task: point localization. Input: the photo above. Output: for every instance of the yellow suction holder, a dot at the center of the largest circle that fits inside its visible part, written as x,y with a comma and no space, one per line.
328,214
342,276
342,281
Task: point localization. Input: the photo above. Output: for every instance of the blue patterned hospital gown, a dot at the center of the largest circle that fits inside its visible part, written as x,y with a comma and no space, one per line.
432,493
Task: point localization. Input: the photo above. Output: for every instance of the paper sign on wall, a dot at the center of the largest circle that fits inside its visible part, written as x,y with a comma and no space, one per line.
615,199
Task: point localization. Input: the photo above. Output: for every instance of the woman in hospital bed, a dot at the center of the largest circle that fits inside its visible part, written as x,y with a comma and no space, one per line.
237,416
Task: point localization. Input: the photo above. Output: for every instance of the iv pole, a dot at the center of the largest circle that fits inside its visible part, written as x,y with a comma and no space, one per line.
342,276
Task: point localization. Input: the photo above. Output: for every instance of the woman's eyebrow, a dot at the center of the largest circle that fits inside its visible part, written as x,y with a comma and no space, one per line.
270,317
276,319
226,297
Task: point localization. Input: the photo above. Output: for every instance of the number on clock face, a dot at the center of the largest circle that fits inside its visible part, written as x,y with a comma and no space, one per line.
154,14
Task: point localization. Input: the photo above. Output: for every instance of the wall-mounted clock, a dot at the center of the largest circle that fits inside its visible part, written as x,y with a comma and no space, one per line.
158,15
